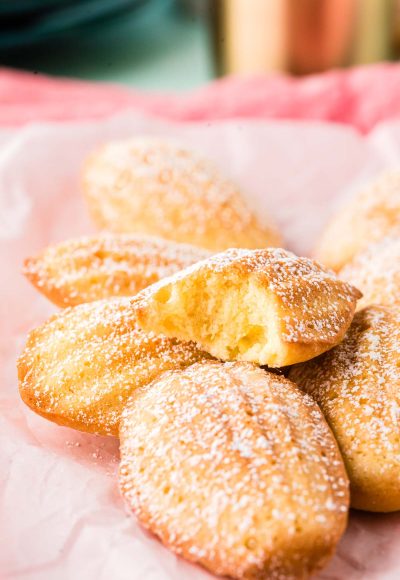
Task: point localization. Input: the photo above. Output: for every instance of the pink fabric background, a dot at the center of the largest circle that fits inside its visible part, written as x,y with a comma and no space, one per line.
361,97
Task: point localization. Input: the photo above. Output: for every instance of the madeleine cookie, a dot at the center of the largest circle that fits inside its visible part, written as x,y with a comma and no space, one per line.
80,367
107,266
158,187
236,469
357,385
267,306
370,216
376,272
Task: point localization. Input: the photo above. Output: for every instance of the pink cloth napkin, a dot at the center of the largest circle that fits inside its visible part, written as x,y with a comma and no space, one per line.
360,97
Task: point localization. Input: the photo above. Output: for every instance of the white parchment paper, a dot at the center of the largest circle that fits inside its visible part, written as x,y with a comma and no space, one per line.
60,513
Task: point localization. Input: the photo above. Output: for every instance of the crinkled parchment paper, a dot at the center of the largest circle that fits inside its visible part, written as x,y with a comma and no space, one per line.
61,516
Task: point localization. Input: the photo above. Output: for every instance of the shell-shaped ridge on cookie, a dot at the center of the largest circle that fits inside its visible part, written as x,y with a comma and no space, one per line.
234,468
81,366
159,187
357,386
106,266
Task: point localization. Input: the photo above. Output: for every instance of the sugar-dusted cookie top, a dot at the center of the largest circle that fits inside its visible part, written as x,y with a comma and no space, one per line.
357,385
236,469
79,368
266,306
369,216
106,266
159,187
376,272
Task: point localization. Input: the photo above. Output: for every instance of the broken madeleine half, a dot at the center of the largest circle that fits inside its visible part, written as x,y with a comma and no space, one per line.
234,468
357,386
80,367
266,306
106,266
153,186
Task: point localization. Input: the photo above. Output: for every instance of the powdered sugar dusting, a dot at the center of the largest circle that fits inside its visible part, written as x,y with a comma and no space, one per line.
370,216
315,304
376,271
106,266
357,385
157,186
231,466
80,367
380,205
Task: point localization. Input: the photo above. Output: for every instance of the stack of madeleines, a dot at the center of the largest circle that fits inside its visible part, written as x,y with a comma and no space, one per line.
253,399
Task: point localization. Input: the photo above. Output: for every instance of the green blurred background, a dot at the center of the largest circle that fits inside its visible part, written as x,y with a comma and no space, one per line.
161,44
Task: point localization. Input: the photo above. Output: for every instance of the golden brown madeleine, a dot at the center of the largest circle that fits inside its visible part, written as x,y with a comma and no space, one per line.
158,187
80,367
266,306
106,266
357,385
370,216
236,469
376,272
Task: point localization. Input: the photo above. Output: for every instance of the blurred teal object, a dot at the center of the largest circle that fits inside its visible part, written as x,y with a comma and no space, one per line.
28,6
159,45
28,22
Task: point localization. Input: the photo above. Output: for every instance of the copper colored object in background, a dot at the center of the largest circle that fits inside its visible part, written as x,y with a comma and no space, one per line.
319,34
300,36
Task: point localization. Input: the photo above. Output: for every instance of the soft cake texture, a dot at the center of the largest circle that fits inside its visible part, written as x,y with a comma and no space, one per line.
151,186
370,216
106,266
236,469
267,306
357,385
81,366
376,272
